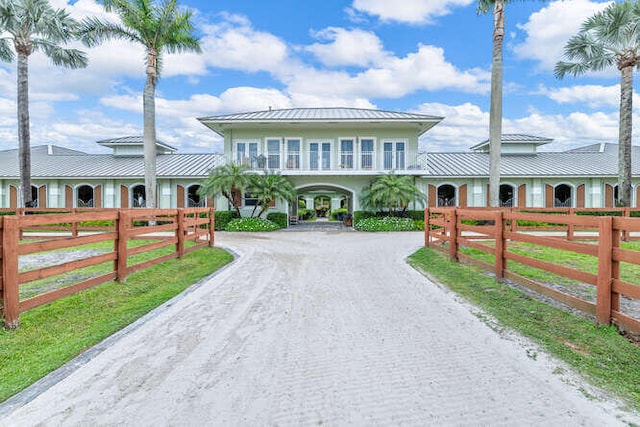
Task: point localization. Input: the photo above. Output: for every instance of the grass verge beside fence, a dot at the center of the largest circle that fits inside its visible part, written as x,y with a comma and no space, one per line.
606,359
53,334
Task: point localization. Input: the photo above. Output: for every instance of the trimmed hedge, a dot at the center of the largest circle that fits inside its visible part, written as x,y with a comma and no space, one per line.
278,218
338,214
222,219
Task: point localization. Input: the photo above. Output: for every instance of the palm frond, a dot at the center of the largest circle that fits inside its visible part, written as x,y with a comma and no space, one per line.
70,58
93,32
6,53
609,38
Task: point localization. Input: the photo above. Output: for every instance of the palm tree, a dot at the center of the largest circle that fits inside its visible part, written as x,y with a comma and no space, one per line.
610,38
230,180
30,26
495,109
267,188
157,28
392,191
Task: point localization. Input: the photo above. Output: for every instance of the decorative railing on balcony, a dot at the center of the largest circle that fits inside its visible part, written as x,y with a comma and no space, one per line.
334,161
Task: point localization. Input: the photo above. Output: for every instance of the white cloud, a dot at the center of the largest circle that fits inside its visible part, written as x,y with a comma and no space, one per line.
549,29
234,44
593,96
465,125
408,11
348,47
426,69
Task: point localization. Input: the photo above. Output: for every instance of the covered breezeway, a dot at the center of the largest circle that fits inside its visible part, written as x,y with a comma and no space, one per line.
318,201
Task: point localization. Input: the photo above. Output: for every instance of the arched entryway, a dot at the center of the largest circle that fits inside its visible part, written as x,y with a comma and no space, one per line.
85,196
562,196
194,200
320,201
507,192
138,196
446,195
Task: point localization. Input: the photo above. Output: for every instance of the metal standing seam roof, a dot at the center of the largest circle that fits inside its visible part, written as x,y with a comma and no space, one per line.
516,138
132,140
108,165
318,115
588,161
543,164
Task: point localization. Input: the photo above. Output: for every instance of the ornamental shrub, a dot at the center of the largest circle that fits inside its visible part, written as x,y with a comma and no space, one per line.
251,224
278,218
338,214
222,219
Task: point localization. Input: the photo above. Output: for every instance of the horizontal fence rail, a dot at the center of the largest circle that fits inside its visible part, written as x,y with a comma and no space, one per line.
132,240
498,232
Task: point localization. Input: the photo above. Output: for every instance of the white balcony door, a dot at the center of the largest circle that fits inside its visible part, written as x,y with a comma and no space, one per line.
293,153
346,153
367,152
273,153
394,155
247,154
319,155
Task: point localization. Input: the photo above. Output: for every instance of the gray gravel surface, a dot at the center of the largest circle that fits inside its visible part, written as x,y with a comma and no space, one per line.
319,328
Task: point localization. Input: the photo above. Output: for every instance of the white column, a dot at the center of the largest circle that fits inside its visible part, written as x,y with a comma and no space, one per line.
537,194
335,203
54,195
309,202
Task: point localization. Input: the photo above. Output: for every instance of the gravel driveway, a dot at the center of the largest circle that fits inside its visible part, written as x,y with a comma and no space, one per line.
318,328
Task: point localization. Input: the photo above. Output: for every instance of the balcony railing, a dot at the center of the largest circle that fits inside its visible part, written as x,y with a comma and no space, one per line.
334,161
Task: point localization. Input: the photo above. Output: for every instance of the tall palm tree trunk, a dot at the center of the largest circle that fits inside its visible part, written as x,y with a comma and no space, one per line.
149,133
24,136
495,113
624,144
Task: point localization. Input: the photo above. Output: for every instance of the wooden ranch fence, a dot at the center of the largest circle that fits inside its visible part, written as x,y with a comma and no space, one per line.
572,230
23,235
493,232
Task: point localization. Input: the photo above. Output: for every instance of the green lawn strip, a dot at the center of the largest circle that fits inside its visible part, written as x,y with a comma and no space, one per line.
600,354
53,334
577,261
36,287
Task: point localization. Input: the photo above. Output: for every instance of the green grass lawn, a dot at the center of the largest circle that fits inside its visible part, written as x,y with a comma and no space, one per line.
600,354
577,261
53,334
28,290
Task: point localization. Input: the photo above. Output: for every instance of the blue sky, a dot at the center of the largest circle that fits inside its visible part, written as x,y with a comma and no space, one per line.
426,56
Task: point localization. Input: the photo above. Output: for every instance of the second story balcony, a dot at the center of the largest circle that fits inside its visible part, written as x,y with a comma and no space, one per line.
341,162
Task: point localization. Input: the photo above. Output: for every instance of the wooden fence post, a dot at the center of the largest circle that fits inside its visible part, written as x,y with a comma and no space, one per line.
500,244
212,226
181,233
453,234
616,236
605,245
426,227
571,225
626,213
122,238
10,278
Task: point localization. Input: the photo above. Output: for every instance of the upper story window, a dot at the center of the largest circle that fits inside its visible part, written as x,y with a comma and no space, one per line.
293,153
273,153
319,155
346,153
246,153
367,153
394,155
